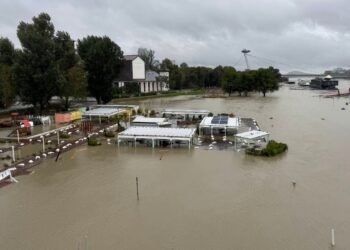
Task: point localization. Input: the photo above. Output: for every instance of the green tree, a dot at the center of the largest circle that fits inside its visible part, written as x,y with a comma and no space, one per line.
35,71
148,56
7,89
7,55
76,85
266,80
7,51
72,82
102,59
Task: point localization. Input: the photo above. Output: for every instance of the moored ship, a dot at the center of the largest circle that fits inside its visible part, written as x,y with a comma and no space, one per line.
324,83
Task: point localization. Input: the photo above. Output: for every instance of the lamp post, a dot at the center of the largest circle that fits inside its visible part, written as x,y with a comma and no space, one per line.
43,138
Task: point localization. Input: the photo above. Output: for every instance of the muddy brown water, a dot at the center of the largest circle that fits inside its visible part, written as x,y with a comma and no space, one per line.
196,199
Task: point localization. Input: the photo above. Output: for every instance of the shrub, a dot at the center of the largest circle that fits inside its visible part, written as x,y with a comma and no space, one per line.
109,133
152,113
93,141
210,114
113,119
120,128
64,135
272,148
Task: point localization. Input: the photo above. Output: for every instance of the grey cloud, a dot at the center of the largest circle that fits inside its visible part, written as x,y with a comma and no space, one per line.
298,34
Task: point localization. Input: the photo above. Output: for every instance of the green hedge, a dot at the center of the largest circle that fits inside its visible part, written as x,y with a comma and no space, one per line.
272,148
93,141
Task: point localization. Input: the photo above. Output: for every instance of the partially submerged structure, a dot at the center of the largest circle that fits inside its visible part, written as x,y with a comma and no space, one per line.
155,136
185,113
142,121
251,138
219,125
103,112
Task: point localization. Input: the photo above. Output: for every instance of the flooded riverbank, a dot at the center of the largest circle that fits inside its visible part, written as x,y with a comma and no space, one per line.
196,199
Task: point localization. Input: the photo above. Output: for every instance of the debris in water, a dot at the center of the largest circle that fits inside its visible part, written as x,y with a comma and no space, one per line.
271,118
342,108
294,183
323,119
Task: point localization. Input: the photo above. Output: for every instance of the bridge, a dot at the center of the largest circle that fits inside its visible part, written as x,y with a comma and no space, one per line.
316,75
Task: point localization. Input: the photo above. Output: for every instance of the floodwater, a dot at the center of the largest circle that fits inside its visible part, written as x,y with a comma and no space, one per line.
196,199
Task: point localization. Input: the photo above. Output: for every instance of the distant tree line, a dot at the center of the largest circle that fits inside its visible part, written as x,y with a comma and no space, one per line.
228,78
50,63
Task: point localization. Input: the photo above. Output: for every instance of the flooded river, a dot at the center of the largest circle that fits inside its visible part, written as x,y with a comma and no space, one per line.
196,199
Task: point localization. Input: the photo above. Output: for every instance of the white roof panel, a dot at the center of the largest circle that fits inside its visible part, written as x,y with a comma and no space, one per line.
158,132
231,122
185,111
103,112
252,134
143,119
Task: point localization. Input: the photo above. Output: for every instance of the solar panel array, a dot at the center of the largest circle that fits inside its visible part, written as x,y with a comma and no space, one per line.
219,120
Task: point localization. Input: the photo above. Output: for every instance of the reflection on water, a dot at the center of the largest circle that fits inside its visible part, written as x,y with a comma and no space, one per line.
196,199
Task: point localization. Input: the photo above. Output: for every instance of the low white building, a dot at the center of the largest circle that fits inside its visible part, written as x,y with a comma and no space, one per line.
218,125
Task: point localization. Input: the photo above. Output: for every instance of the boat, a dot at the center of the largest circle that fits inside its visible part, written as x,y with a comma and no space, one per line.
302,82
290,82
324,83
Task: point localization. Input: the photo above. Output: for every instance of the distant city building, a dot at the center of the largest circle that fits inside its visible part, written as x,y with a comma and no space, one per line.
133,70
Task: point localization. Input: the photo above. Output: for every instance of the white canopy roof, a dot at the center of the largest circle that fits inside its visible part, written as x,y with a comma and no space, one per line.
156,132
117,106
186,111
143,119
253,134
103,112
232,122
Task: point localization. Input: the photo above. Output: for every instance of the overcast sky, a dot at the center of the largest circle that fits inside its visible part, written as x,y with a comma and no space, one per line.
304,35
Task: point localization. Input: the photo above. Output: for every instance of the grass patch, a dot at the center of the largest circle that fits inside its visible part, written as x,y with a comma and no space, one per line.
272,148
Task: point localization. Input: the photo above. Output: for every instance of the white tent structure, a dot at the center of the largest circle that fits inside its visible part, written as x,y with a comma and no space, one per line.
156,134
117,106
219,123
185,112
150,122
103,113
251,137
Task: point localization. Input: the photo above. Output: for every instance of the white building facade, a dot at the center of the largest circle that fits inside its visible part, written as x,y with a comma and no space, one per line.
133,70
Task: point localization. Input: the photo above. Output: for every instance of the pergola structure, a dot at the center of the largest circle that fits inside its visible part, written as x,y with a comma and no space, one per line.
186,112
103,113
251,137
156,135
219,123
